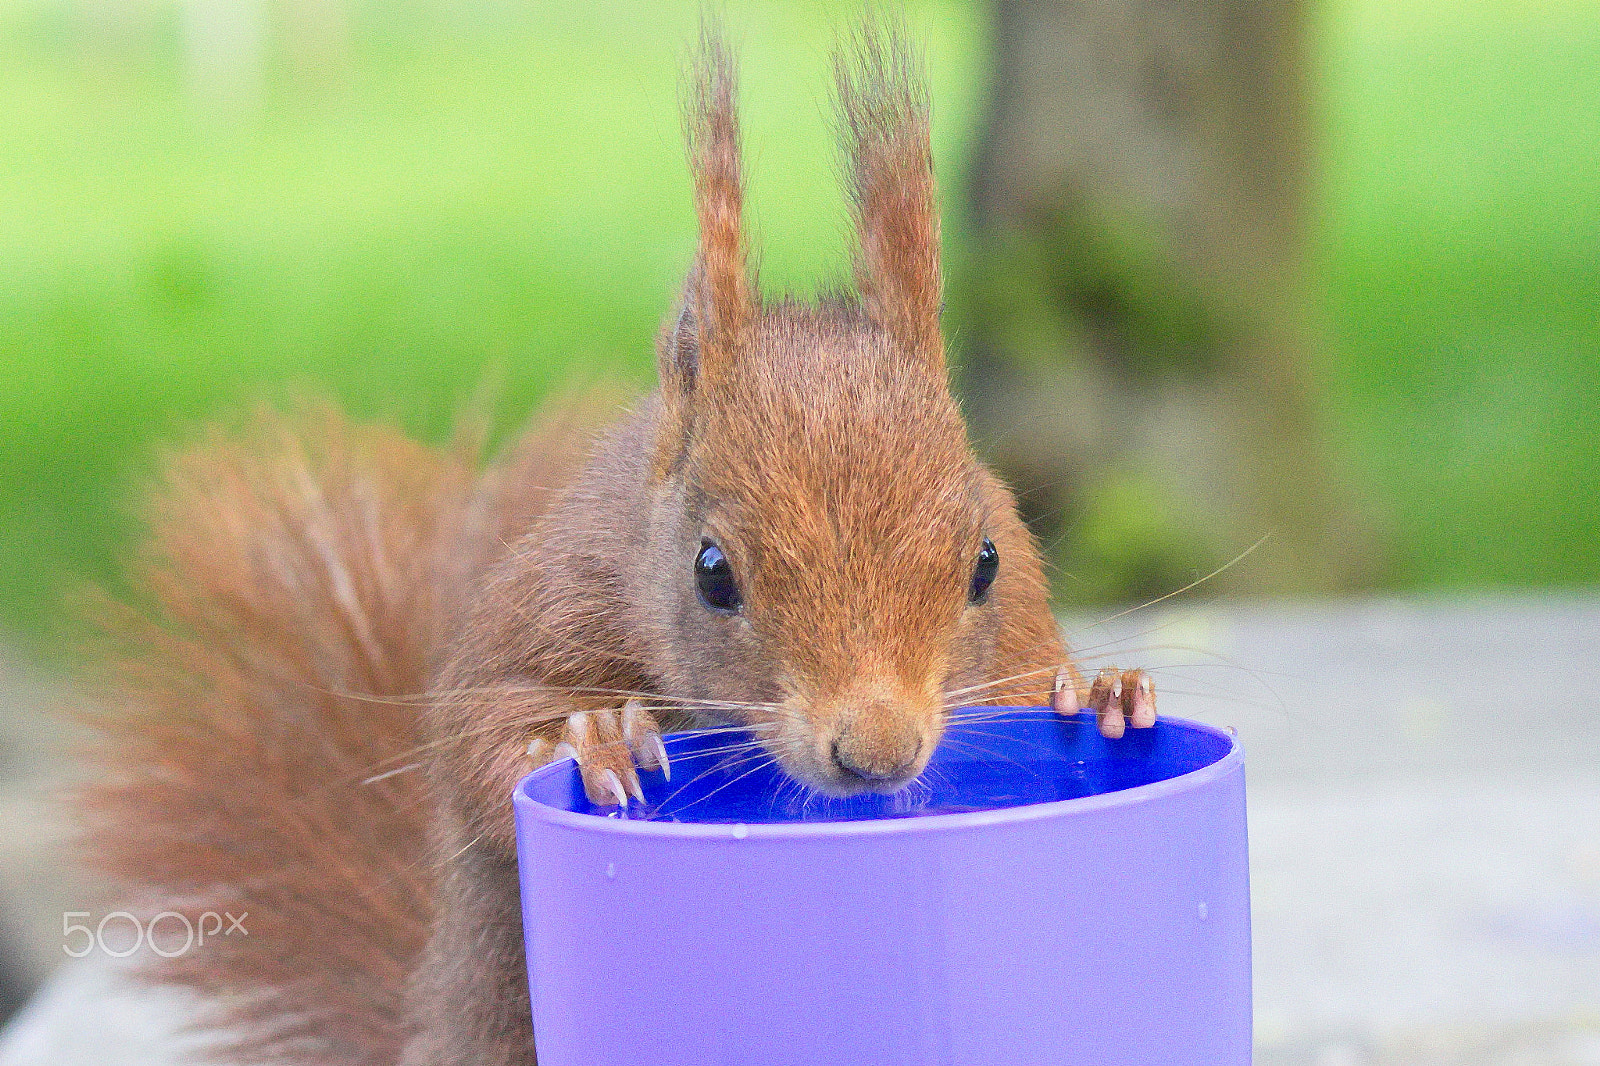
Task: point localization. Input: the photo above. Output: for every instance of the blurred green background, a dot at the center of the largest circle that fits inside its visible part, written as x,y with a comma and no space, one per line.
399,204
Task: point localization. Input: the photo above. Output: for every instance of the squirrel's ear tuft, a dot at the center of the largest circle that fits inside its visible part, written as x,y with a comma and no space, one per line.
720,298
882,101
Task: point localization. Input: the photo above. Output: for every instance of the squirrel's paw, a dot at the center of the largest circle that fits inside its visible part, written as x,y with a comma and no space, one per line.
1119,698
609,746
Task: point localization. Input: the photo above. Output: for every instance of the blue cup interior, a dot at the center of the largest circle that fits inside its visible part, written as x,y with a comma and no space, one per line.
990,758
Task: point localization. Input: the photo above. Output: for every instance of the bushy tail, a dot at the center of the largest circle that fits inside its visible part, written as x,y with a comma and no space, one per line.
259,742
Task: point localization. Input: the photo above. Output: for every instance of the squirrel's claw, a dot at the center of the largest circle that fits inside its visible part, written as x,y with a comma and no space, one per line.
607,766
1064,697
643,736
608,745
1120,698
613,786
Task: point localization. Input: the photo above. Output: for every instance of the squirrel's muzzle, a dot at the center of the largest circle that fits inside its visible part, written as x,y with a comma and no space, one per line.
878,745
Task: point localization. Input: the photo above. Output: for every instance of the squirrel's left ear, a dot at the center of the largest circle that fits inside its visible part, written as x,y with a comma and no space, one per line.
720,296
882,102
702,344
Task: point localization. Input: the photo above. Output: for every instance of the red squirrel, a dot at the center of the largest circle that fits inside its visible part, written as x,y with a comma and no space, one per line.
347,647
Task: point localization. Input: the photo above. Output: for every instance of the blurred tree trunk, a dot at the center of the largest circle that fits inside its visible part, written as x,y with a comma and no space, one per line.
1140,339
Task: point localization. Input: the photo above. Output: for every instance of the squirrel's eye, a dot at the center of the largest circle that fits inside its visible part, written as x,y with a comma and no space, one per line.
983,573
713,579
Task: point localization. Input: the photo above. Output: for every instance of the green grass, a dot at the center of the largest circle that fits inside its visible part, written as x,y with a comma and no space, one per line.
507,206
509,202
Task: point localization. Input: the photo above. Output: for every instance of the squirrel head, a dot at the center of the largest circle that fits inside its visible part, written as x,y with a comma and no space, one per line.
829,554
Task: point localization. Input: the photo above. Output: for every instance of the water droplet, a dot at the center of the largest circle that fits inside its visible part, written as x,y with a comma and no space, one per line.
741,831
1203,911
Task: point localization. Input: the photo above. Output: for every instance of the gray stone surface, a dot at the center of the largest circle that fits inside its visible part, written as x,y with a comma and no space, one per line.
1424,790
35,886
1425,833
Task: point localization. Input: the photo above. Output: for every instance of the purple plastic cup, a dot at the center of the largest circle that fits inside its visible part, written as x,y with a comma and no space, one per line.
1049,897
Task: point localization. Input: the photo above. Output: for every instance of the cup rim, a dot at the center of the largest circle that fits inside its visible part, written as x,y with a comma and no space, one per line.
527,806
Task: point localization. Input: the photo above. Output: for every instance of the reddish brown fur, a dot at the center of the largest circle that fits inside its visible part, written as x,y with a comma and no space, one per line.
723,296
819,446
883,124
292,593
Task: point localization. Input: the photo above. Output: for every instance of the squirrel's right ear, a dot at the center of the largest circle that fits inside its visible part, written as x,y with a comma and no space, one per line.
882,97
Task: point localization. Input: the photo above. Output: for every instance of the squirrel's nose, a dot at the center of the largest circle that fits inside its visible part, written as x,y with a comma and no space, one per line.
871,762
